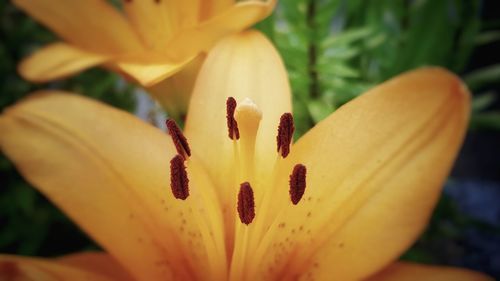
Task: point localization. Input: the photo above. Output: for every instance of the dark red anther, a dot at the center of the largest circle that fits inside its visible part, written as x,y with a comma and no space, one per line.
178,138
285,134
179,181
297,183
246,204
232,125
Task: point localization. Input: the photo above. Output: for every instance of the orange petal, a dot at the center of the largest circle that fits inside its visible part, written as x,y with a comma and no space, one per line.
93,25
375,169
24,268
245,65
148,74
402,271
100,263
238,17
56,61
109,172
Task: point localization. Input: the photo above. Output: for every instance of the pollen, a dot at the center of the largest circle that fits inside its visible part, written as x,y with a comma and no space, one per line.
297,183
179,181
178,138
246,203
232,125
285,134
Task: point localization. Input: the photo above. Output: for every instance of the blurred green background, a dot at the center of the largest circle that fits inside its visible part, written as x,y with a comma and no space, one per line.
334,50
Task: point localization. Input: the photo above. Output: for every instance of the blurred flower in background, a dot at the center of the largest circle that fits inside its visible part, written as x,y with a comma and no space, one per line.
333,51
150,41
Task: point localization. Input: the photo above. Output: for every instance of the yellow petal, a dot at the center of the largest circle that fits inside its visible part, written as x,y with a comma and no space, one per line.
174,93
148,74
415,272
100,263
109,172
56,61
154,21
245,65
27,269
238,17
375,169
93,25
210,8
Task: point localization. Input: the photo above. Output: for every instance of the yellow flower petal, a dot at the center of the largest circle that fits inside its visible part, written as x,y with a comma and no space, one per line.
149,73
209,8
174,92
375,169
238,66
154,21
22,268
100,263
57,61
93,25
414,272
109,172
238,17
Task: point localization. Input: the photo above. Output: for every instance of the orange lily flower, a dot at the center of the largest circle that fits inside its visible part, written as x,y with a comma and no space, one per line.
150,41
240,202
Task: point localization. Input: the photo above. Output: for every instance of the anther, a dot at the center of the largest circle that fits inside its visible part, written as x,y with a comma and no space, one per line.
297,183
246,204
179,182
285,134
179,140
232,125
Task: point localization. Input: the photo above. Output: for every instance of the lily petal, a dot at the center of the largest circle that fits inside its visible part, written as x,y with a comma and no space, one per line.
149,74
238,17
154,21
21,268
238,66
85,22
100,263
375,169
403,271
73,150
57,61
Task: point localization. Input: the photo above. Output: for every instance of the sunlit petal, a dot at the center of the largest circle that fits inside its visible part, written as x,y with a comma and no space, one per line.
239,66
110,173
56,61
233,19
375,169
85,22
416,272
148,73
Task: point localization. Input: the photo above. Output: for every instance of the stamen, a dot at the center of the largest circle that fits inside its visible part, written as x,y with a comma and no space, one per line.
285,134
246,204
178,138
232,125
178,178
297,183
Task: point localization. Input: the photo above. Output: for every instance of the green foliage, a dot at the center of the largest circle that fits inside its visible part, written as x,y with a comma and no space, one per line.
335,50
